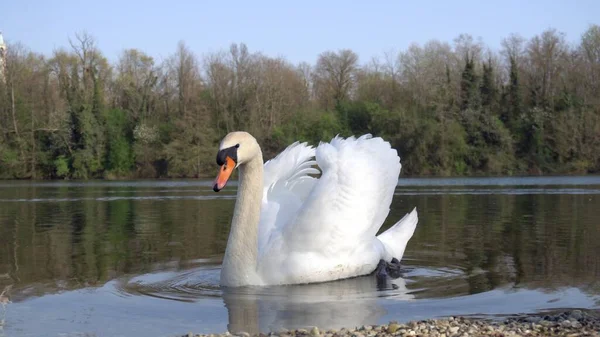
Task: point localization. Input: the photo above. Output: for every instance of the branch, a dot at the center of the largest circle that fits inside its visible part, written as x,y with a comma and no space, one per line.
35,130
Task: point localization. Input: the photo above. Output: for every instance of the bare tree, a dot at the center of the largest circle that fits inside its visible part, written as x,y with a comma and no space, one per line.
136,79
91,64
590,51
334,76
546,56
280,92
305,70
219,78
429,73
467,46
513,47
370,82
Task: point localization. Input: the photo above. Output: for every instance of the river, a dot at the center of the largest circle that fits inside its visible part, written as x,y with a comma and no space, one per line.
142,258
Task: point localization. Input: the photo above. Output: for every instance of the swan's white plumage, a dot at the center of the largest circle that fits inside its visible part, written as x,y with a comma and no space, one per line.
286,185
321,229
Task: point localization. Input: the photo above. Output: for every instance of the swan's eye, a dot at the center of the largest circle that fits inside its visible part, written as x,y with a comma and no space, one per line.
237,146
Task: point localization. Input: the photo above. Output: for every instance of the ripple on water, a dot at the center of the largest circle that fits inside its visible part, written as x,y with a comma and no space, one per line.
194,284
187,286
335,304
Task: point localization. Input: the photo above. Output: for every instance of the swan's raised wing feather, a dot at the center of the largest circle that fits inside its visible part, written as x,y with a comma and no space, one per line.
290,167
350,201
287,182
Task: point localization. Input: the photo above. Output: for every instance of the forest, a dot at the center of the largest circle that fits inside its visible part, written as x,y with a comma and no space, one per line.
450,108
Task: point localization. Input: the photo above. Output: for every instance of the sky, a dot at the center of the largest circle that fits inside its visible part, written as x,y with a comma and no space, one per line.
296,30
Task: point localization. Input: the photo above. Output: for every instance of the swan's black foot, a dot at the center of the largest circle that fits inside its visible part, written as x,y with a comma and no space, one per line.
387,270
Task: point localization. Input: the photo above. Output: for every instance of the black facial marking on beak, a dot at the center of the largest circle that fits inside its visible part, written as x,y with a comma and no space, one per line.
230,152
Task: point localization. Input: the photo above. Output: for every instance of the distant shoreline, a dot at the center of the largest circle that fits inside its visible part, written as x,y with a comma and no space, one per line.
210,177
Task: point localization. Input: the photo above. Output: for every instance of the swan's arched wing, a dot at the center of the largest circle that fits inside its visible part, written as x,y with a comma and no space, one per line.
286,185
350,201
291,166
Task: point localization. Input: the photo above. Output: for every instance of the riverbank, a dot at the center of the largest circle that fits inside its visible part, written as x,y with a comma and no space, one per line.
573,323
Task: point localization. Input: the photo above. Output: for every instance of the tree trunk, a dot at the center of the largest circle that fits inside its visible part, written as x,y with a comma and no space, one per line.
14,118
33,157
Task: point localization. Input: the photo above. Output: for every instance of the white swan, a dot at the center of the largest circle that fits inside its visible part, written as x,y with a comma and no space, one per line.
289,227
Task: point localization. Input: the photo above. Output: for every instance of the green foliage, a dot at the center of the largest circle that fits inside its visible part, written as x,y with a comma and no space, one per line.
512,108
489,142
355,115
190,151
89,149
469,86
309,126
120,157
488,87
61,166
531,109
9,158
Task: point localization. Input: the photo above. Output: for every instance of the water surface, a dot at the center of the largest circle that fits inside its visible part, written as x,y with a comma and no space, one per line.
143,258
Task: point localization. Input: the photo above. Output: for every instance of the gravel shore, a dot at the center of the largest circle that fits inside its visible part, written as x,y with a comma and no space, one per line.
572,323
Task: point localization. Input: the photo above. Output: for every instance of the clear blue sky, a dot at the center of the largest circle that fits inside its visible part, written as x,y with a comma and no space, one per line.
298,30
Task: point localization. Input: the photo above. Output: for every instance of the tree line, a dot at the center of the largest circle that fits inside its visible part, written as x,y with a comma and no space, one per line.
459,108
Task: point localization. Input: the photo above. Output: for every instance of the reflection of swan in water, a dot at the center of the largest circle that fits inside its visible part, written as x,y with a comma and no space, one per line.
349,302
331,305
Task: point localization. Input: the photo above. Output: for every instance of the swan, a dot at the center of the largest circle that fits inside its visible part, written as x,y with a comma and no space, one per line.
289,227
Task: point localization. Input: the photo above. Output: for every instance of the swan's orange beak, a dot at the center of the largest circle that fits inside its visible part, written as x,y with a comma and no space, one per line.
224,174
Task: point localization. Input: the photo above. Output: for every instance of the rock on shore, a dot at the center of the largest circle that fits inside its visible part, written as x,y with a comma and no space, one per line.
574,323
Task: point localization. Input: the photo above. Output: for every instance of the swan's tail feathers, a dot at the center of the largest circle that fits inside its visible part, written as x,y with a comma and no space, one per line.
396,237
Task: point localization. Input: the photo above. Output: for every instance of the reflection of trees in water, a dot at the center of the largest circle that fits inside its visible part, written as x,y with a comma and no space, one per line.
531,240
82,242
555,240
541,240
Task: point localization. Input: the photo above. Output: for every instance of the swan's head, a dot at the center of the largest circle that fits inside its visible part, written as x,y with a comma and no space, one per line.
237,148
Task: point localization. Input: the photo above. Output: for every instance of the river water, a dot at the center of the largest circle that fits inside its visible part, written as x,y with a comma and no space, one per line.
142,258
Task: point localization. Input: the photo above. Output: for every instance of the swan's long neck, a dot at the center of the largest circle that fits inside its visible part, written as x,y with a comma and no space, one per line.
241,254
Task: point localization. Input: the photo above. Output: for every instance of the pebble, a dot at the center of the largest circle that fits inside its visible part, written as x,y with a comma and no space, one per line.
576,314
574,323
392,328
